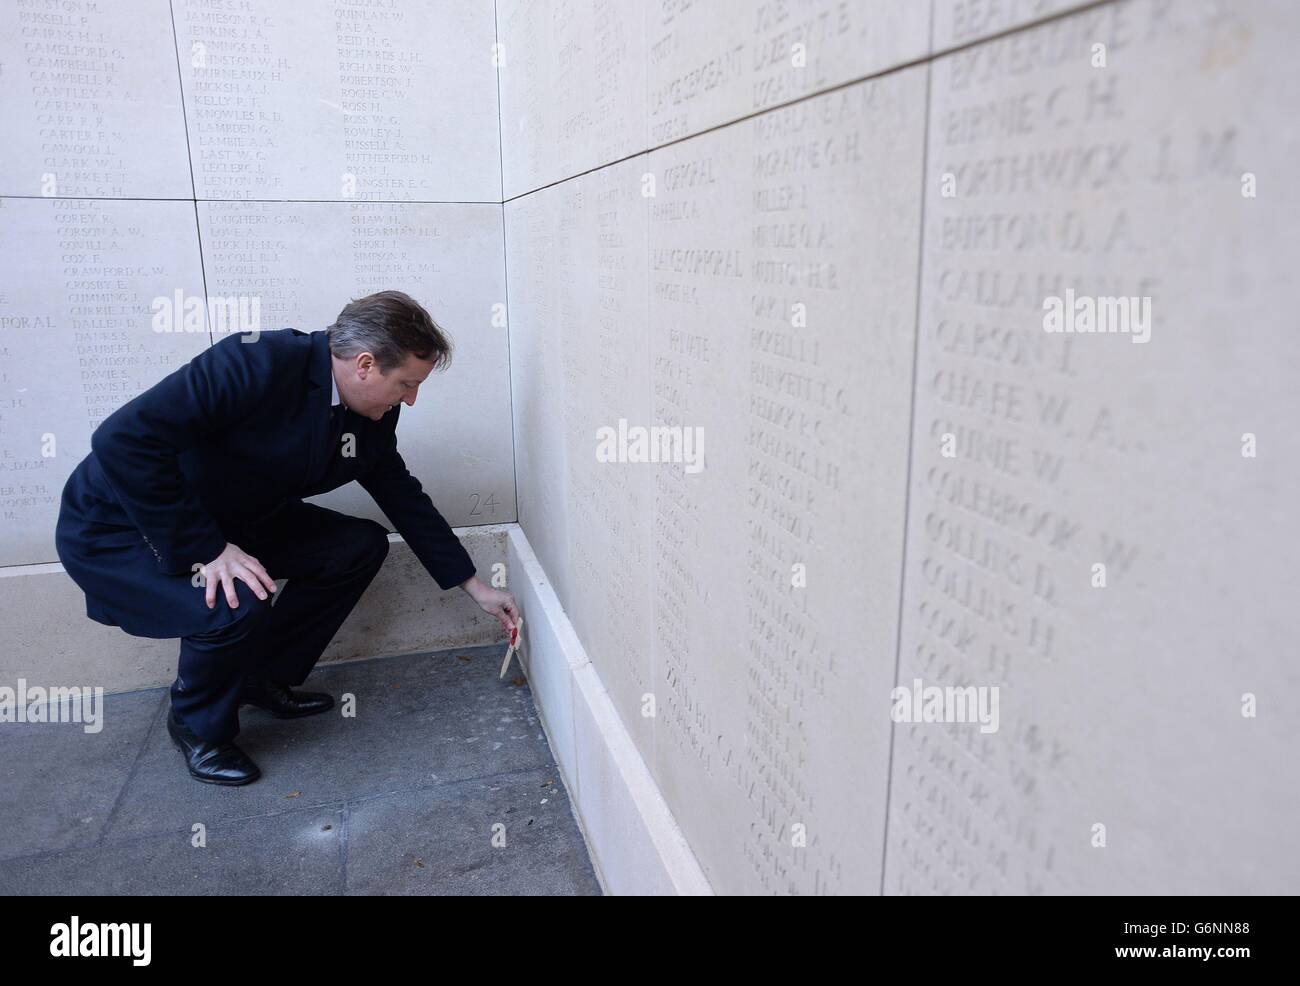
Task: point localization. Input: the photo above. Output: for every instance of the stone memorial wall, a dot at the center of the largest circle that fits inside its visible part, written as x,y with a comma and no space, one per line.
282,155
828,266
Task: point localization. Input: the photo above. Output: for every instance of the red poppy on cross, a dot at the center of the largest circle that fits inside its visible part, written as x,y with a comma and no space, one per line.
516,643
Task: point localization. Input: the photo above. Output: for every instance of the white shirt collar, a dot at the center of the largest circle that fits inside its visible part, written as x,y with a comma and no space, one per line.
334,388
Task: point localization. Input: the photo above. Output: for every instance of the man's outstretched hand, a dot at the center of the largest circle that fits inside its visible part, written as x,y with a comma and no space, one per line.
499,604
233,564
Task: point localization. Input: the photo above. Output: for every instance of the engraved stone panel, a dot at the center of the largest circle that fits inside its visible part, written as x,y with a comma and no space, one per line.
710,63
91,101
783,257
294,100
580,359
535,246
959,22
605,342
572,88
77,306
304,261
1096,545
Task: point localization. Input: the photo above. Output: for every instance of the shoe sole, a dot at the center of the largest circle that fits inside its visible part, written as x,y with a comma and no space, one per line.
209,780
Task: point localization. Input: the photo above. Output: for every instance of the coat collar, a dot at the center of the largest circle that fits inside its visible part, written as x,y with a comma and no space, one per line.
319,374
319,370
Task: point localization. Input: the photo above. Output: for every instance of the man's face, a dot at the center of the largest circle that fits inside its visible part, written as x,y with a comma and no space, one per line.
368,391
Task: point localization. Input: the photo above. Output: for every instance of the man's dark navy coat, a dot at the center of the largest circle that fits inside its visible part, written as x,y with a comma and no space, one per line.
212,451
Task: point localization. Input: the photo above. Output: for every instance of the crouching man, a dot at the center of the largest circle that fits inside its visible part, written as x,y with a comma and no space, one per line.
205,474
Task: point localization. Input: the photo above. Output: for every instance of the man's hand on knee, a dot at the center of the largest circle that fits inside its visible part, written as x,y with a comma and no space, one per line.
231,564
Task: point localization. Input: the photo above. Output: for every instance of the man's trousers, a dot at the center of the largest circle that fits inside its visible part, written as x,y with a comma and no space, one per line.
328,558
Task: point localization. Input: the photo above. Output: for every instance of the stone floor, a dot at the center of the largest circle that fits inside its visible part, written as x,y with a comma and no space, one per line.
408,797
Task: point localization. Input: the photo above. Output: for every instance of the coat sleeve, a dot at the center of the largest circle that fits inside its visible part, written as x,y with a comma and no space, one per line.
403,501
138,446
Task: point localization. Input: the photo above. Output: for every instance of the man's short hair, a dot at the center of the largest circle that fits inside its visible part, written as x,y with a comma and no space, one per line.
390,325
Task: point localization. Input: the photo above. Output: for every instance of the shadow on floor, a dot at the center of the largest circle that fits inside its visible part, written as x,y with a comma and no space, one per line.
415,794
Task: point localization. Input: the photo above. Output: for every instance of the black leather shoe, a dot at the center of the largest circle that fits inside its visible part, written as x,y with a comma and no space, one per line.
211,763
282,701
